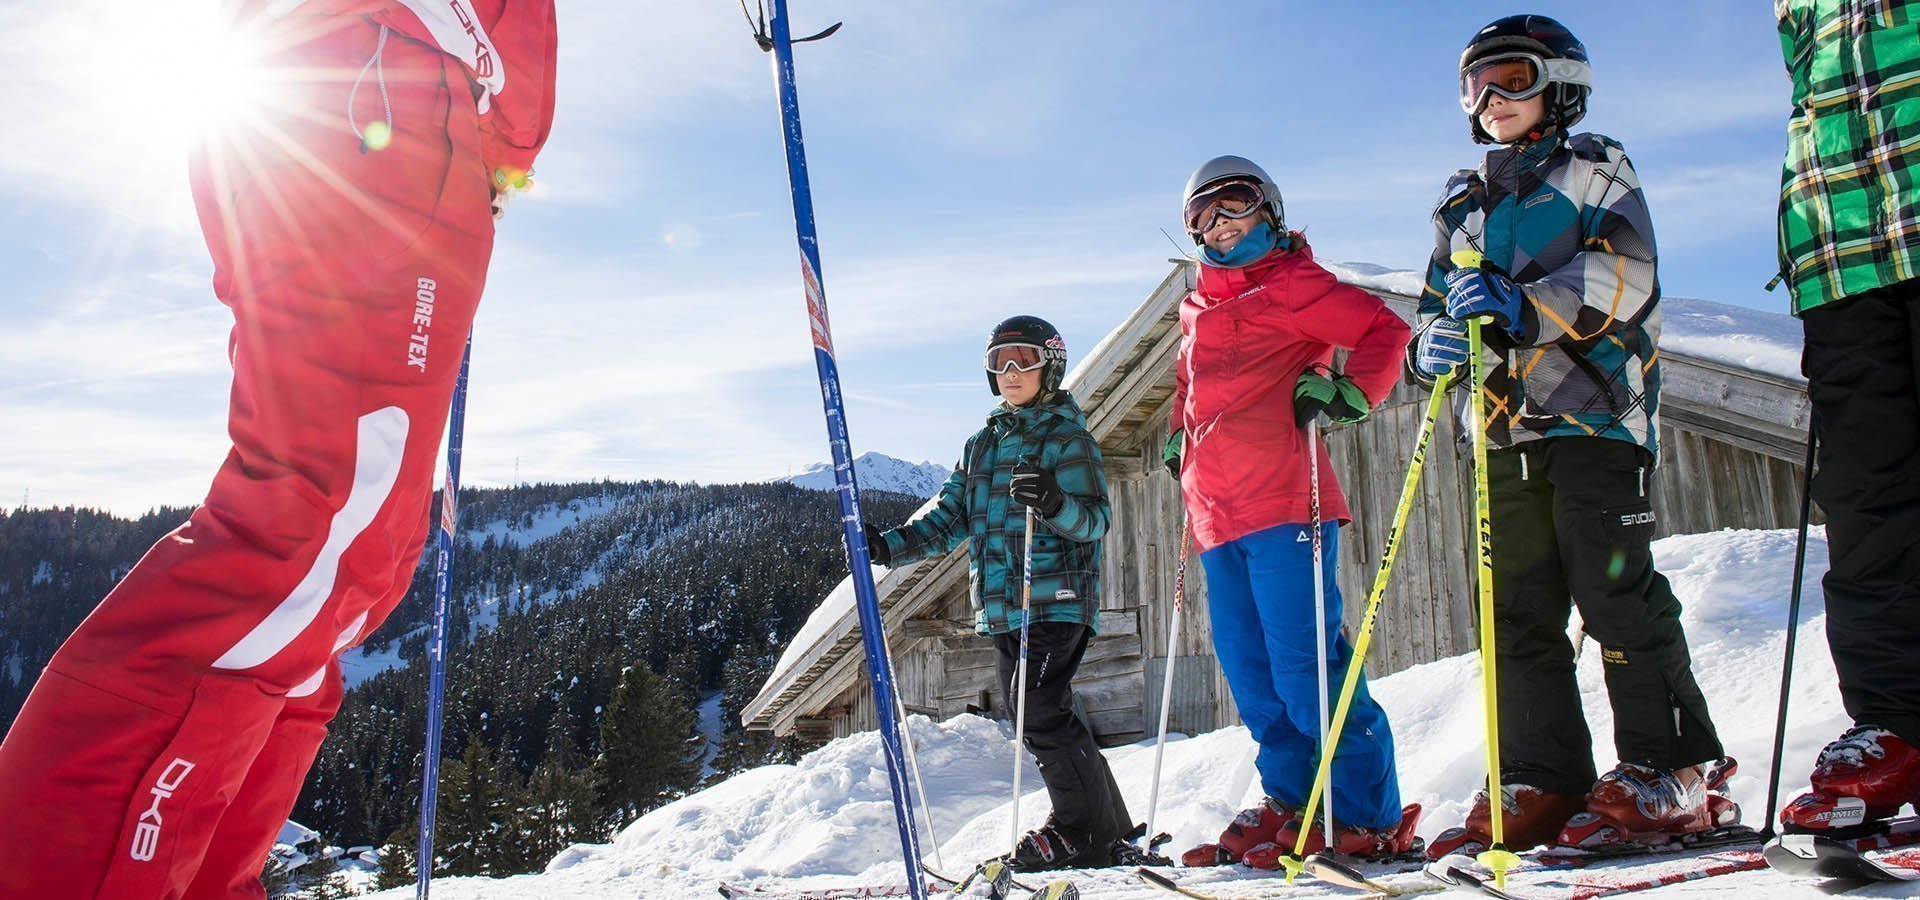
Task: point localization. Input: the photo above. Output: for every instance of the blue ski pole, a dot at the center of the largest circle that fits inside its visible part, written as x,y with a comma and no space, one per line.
866,601
437,643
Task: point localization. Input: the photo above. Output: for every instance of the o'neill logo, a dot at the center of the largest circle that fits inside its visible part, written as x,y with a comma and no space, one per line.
146,834
816,307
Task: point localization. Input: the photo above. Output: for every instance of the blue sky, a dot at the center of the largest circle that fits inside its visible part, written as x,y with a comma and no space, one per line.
970,161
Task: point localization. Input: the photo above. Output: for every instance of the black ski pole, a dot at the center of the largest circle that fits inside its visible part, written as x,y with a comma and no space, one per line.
1793,626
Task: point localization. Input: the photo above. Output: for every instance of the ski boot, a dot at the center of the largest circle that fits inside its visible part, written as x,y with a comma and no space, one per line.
1052,846
1251,828
1532,818
1354,841
1858,780
1635,804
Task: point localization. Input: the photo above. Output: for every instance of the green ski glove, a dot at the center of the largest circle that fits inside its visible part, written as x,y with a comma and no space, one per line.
1321,390
1176,442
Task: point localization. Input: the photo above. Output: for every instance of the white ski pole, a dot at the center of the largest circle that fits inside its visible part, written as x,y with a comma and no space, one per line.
1320,610
913,759
1020,679
1166,684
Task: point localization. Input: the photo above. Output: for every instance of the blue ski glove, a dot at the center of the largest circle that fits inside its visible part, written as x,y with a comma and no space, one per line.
1475,292
1443,345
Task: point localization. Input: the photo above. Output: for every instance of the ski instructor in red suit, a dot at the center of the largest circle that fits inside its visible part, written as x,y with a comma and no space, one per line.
350,224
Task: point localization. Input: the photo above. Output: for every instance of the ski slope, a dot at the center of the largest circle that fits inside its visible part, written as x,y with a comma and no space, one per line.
826,821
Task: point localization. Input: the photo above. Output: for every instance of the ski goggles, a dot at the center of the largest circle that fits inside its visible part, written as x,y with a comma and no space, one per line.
1004,358
1233,199
1516,76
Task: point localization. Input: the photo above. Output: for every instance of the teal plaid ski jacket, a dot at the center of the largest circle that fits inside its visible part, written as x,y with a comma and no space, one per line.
974,506
1566,220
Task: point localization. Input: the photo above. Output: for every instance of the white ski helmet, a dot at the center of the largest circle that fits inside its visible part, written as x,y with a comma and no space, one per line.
1224,170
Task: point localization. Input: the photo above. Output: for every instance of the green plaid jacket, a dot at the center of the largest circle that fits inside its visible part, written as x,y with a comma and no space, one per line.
1849,203
974,506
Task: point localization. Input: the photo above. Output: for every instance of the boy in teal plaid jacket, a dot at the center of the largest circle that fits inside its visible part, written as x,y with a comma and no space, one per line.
1033,457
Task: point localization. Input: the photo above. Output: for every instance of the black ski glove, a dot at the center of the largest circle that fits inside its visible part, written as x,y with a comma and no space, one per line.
877,545
1036,487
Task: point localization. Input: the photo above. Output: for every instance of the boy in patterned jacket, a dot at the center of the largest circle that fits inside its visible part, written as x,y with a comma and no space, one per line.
1571,300
1034,456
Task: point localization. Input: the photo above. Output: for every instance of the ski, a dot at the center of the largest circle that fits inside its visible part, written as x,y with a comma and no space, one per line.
1164,883
1333,873
1819,856
1454,871
1345,871
734,891
1573,857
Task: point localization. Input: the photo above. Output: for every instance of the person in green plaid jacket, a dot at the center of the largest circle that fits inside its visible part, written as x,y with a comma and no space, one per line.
1033,457
1850,255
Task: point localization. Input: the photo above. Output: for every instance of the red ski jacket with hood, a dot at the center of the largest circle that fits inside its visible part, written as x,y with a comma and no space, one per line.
1246,335
506,46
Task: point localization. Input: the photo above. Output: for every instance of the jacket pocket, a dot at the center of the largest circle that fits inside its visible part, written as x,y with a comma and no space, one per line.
1558,381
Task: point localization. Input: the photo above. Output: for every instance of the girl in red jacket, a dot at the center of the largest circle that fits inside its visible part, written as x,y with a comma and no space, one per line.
1257,339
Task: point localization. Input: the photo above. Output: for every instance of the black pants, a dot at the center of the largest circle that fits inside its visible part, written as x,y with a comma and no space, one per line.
1572,525
1086,802
1860,361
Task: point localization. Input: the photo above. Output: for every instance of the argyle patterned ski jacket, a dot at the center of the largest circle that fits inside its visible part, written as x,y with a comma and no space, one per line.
1566,220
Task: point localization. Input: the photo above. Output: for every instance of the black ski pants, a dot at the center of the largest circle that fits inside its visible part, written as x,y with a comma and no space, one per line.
1572,525
1862,362
1086,802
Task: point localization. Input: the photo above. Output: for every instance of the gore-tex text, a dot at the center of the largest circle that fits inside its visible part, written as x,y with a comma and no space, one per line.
422,322
146,834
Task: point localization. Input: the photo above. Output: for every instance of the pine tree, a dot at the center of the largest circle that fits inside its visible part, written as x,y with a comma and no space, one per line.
649,746
396,859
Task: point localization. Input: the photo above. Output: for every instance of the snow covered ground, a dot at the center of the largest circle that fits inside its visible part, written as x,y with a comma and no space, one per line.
827,821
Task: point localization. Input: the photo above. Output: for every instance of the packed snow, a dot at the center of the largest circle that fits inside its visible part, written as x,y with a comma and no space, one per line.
827,821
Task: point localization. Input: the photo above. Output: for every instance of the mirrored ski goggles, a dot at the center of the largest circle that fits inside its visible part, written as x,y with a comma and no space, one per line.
1516,76
1234,199
1005,358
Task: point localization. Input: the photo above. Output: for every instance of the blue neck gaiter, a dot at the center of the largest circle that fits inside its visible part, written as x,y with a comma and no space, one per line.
1255,244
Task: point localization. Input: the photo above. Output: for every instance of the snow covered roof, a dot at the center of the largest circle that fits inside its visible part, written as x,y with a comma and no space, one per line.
1732,374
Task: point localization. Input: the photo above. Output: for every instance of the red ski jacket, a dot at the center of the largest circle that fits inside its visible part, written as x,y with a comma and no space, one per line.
506,46
1246,335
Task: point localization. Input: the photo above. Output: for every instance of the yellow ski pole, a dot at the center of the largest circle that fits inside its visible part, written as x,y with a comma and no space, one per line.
1497,858
1294,862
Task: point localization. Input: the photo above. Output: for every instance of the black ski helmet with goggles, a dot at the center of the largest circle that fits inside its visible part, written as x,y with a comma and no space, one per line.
1229,177
1539,56
1027,343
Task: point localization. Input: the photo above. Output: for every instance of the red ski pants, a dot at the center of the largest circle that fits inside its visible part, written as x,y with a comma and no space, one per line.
167,740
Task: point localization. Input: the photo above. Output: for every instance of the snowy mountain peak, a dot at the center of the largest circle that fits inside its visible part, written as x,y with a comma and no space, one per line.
879,472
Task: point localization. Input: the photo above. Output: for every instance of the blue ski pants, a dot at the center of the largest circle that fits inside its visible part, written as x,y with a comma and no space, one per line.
1260,599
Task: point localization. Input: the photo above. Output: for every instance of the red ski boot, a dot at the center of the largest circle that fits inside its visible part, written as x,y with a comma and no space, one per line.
1859,779
1354,841
1533,817
1251,828
1635,804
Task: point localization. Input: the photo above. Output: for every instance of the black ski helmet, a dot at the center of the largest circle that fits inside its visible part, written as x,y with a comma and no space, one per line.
1236,168
1036,331
1566,95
